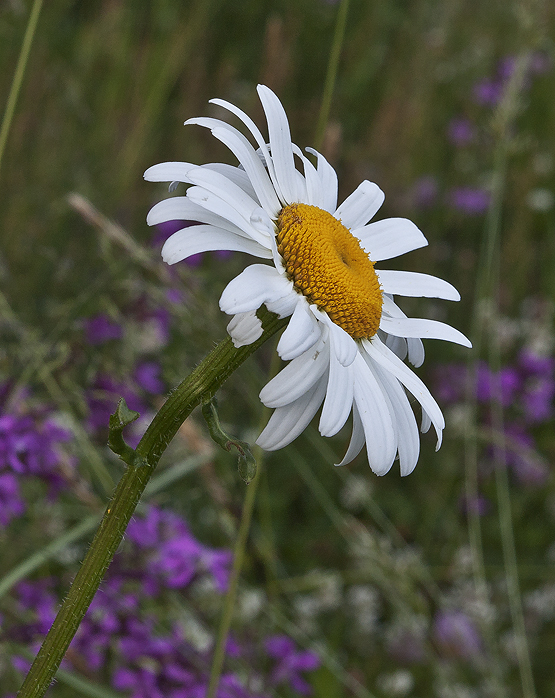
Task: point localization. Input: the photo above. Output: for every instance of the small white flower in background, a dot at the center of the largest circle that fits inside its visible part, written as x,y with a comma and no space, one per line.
346,339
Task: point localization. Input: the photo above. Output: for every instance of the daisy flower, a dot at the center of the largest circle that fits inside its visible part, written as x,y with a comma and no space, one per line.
346,339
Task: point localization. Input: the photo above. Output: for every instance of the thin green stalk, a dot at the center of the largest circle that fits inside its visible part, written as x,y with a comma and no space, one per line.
487,294
238,557
231,594
331,74
203,383
18,75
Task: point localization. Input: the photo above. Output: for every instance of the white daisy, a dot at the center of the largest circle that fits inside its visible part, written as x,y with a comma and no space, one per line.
346,339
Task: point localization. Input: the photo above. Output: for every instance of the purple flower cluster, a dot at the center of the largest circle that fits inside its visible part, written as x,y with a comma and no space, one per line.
526,390
456,635
30,447
489,91
125,642
462,133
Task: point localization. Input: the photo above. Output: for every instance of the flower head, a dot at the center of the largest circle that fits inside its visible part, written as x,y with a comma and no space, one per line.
346,338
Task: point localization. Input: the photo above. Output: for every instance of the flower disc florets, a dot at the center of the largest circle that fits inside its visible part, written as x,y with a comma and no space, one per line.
328,266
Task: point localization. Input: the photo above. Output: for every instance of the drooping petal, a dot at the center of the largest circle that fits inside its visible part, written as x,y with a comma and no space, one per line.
410,283
389,238
339,395
345,346
401,345
257,284
360,206
301,333
426,329
203,238
357,439
280,145
296,378
390,362
376,419
286,423
244,329
328,178
408,440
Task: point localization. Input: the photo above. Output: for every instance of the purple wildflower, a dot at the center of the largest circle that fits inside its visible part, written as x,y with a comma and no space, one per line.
470,200
479,505
176,557
11,503
101,328
457,635
461,131
30,446
424,192
102,399
147,376
290,663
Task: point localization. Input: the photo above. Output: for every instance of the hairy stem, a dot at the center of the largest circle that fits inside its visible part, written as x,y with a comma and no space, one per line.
201,384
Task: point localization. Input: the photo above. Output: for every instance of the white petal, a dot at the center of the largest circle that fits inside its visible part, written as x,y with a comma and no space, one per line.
262,222
244,328
416,353
254,168
312,180
344,345
202,238
253,128
297,378
328,177
361,205
287,423
410,283
212,202
184,209
283,307
280,145
426,329
168,172
339,396
400,345
376,418
224,189
255,285
301,333
426,422
235,174
357,439
248,158
408,440
389,238
387,359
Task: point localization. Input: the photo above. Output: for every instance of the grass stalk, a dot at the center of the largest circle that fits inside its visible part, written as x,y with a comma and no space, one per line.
18,75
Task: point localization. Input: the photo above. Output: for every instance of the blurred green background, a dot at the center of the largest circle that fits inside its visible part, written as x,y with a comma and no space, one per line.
106,90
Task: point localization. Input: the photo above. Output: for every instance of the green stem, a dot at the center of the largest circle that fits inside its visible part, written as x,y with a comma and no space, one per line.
331,74
231,595
18,75
203,383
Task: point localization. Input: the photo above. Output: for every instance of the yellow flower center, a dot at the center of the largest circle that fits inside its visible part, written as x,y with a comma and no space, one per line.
327,265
